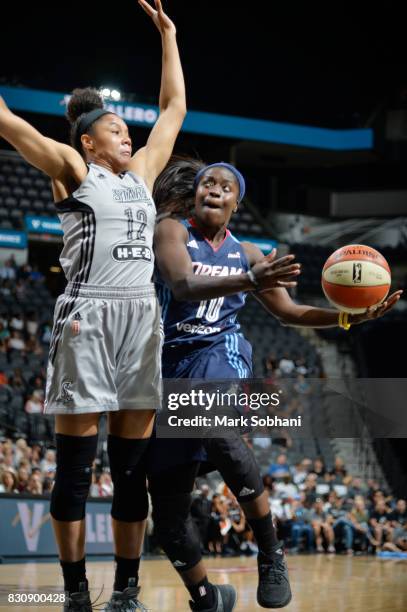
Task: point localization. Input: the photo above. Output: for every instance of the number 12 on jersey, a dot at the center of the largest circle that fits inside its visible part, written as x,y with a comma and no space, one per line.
212,308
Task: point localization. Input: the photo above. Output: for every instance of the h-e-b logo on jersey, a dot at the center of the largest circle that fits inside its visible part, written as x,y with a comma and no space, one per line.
128,252
357,273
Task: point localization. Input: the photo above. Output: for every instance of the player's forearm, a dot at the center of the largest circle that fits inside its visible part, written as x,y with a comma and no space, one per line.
196,287
308,316
172,92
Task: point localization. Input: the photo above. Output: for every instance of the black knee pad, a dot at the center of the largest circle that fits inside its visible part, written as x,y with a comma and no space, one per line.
175,530
127,467
75,456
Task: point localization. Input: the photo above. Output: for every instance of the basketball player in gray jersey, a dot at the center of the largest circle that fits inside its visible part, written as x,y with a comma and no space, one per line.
104,353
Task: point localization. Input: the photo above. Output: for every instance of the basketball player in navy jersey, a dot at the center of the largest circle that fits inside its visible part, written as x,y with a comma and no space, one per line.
203,276
105,348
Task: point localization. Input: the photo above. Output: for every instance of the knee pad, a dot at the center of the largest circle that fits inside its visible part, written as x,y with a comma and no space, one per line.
75,456
175,530
127,467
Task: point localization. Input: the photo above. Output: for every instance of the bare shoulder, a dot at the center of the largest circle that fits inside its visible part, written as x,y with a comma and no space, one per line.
252,252
170,228
74,166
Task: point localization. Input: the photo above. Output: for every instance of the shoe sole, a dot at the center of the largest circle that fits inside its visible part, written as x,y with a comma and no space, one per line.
233,602
280,605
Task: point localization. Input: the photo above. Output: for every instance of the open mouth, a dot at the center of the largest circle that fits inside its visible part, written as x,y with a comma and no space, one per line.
212,205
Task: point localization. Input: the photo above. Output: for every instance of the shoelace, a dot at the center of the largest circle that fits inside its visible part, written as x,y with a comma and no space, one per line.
129,597
273,571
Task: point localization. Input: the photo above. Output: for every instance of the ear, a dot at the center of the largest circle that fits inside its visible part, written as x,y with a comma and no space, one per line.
87,142
236,207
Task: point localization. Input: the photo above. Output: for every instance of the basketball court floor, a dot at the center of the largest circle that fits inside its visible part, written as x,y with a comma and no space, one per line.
320,583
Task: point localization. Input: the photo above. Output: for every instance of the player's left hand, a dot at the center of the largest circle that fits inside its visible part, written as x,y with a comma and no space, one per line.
162,22
374,312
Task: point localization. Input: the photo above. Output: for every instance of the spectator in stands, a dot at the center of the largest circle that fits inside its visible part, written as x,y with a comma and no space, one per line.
49,461
285,488
105,485
398,516
46,333
22,479
3,379
380,522
33,346
17,381
337,516
299,472
34,485
216,524
4,332
280,468
338,470
16,342
322,527
309,488
301,526
356,488
399,540
286,365
7,270
3,347
318,467
8,483
359,517
300,366
17,322
35,402
31,324
35,275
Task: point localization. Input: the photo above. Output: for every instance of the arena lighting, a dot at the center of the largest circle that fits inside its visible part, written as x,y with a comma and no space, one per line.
110,94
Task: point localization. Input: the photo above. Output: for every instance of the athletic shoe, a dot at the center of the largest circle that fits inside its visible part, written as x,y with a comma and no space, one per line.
78,602
126,601
274,586
226,597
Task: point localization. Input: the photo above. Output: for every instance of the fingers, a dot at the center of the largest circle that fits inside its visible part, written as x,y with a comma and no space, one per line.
147,8
158,6
284,270
270,256
277,263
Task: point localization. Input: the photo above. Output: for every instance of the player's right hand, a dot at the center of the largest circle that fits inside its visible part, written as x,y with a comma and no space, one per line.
271,272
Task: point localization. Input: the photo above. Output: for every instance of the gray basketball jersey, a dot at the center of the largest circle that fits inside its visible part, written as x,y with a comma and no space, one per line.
108,225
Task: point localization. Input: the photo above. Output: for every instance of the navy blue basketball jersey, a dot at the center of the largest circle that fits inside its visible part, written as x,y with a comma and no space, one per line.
207,322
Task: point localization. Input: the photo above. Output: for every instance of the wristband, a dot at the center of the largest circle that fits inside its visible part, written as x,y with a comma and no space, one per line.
343,321
252,278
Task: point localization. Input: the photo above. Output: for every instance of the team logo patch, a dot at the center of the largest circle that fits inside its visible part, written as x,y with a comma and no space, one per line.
234,255
125,252
193,244
66,397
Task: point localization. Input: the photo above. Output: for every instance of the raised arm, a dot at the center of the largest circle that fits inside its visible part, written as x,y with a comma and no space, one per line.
175,265
151,159
57,160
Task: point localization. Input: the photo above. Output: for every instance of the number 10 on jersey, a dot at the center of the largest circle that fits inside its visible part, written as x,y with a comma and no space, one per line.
212,308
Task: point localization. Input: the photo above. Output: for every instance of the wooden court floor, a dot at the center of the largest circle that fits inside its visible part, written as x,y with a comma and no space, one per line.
320,583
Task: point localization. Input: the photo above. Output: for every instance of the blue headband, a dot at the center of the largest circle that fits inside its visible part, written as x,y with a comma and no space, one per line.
233,170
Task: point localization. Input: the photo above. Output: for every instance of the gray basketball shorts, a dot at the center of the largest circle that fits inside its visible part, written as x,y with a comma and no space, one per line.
105,351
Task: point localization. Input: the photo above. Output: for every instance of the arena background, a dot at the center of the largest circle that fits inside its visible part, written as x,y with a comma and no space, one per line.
326,168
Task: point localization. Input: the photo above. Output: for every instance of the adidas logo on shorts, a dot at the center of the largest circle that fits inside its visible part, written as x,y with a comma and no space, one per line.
245,491
179,564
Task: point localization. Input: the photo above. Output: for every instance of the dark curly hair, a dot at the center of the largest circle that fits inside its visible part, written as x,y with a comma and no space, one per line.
81,102
173,192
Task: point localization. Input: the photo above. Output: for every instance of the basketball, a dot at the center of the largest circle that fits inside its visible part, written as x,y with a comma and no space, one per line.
355,277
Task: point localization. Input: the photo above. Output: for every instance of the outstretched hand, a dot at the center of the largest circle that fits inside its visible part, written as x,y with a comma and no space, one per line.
162,22
374,312
271,272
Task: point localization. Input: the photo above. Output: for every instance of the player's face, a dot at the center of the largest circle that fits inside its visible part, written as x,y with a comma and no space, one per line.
111,141
216,197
